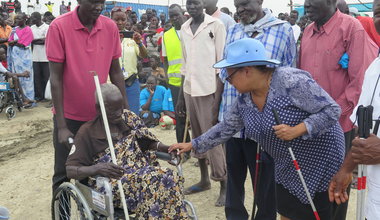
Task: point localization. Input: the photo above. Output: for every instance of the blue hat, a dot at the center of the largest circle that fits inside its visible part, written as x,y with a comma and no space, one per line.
245,52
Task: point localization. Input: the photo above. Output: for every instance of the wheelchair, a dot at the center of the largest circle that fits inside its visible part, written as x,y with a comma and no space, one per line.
77,201
9,97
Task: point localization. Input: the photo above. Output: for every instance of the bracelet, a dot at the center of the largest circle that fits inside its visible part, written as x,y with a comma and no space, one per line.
141,44
158,143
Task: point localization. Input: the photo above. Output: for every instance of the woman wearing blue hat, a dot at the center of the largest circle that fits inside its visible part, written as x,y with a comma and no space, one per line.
310,124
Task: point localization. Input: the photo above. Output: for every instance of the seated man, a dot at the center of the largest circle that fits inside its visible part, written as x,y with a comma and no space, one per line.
152,100
151,191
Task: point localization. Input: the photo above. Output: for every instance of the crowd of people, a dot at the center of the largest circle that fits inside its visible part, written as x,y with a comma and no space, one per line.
227,74
22,36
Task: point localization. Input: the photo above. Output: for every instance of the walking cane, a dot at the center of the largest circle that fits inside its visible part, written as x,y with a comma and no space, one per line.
186,128
298,169
257,180
179,167
185,157
109,139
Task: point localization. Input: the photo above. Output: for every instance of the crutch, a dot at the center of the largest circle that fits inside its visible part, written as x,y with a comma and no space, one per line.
298,169
257,180
109,139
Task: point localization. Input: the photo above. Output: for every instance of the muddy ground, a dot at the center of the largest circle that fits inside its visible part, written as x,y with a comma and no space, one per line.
26,167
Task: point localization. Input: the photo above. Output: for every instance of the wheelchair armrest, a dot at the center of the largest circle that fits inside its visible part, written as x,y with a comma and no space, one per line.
163,156
176,161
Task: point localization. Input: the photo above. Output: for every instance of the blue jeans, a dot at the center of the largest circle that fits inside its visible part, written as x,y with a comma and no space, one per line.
133,96
240,155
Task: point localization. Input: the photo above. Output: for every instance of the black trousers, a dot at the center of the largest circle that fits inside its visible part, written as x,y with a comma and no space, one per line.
181,121
291,207
340,211
61,152
41,77
240,155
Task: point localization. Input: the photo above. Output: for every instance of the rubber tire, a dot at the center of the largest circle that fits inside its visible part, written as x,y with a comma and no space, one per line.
10,112
75,194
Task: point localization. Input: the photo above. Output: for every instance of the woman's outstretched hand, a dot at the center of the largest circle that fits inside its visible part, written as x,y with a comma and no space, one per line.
182,147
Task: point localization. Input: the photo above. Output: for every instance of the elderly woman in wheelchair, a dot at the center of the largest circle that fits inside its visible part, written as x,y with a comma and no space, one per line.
151,191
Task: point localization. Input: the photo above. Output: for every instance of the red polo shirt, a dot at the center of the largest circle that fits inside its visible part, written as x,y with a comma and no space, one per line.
321,51
81,51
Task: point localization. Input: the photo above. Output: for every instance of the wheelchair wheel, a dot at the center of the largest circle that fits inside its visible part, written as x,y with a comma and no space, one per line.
191,210
10,112
3,100
69,204
18,101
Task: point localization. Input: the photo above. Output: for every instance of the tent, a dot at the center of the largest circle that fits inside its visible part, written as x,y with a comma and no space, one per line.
138,8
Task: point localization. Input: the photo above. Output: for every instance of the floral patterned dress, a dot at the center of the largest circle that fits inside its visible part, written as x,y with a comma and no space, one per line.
151,191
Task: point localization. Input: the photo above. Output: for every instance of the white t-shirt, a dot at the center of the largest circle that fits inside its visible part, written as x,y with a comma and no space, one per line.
163,50
373,175
39,53
296,32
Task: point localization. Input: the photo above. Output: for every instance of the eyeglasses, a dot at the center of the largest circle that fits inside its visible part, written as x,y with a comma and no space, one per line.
229,78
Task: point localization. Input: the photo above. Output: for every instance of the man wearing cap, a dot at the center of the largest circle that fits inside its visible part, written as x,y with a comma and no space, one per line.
202,40
77,43
306,116
353,11
277,37
323,46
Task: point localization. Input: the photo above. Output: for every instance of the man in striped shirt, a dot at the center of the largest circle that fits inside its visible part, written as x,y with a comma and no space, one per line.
277,37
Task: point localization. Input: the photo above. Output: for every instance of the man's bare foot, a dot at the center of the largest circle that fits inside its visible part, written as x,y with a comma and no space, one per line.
221,201
196,188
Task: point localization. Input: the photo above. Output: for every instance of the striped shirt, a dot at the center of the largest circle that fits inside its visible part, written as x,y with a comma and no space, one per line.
277,37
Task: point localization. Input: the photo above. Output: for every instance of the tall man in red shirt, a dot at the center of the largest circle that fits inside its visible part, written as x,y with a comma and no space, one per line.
77,43
324,42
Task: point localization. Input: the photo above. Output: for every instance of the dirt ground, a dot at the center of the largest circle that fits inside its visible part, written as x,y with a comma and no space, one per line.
26,167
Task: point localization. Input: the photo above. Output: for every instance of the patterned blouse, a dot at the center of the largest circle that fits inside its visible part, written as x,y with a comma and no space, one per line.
297,98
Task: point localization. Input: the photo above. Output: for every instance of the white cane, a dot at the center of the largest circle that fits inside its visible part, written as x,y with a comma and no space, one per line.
298,169
109,139
364,188
362,185
359,196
